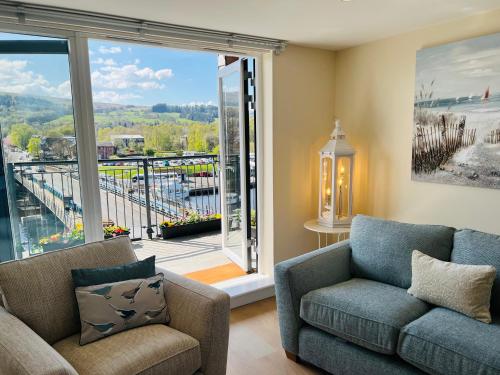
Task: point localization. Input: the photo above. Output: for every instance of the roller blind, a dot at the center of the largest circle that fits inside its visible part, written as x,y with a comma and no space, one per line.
108,26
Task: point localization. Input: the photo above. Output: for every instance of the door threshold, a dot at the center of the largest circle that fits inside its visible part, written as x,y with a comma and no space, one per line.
247,289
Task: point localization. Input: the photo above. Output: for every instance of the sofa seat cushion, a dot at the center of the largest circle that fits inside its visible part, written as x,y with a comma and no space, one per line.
153,349
365,312
446,342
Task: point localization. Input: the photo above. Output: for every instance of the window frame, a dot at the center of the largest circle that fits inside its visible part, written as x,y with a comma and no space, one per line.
81,87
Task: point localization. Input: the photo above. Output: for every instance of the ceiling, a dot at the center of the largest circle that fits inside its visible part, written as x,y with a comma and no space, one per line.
331,24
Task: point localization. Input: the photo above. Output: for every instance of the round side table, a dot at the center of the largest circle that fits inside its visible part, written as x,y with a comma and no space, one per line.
341,232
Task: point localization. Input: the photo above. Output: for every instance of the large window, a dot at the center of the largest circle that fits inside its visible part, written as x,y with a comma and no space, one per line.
122,137
39,144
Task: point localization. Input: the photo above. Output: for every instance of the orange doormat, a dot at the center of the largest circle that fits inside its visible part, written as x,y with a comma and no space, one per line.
216,274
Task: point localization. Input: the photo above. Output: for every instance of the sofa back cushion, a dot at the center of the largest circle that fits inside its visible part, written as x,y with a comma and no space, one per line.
473,247
39,290
382,249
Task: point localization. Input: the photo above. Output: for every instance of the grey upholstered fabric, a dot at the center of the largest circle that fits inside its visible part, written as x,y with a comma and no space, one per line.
201,312
23,352
39,290
154,350
365,312
344,358
446,342
298,276
381,249
473,247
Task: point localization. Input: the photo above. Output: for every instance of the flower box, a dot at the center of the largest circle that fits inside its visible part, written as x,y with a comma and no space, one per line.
108,236
190,229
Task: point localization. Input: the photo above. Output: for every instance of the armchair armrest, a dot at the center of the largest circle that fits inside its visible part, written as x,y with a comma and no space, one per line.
298,276
23,352
202,312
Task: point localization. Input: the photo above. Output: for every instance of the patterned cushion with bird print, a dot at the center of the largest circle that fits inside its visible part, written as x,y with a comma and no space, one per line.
107,309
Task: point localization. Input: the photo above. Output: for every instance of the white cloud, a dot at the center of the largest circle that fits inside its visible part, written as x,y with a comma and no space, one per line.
15,77
109,96
101,61
129,76
163,73
105,50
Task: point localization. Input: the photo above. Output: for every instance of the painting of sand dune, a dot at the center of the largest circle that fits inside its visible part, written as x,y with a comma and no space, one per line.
456,127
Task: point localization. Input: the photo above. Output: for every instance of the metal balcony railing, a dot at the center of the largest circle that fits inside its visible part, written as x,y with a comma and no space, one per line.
137,193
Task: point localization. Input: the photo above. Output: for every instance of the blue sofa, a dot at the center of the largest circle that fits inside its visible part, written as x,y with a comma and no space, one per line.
345,309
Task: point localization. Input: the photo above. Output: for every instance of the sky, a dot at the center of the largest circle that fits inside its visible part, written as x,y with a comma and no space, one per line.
121,73
462,68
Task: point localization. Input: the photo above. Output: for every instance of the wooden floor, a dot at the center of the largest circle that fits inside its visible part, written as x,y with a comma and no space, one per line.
255,346
216,274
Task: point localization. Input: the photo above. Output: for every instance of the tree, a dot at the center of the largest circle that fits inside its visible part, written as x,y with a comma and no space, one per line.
34,147
20,135
149,152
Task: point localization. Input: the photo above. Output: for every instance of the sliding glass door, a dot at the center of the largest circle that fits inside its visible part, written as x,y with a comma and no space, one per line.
40,173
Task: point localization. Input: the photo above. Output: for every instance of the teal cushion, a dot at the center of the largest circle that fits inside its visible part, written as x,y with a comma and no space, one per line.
473,247
365,312
96,276
381,249
446,342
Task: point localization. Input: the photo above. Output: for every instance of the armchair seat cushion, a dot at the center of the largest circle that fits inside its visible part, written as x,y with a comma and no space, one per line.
446,342
364,312
153,349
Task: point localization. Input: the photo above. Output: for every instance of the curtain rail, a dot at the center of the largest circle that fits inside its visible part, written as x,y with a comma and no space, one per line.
135,29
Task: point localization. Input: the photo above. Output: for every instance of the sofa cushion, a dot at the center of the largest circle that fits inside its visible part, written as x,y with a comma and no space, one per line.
365,312
460,287
107,309
473,247
141,269
381,249
39,290
446,342
153,349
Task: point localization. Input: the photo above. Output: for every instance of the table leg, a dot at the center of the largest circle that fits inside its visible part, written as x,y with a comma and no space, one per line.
319,240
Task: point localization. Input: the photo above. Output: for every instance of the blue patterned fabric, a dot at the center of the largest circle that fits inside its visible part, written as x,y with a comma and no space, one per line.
343,358
446,342
473,247
295,277
381,249
365,312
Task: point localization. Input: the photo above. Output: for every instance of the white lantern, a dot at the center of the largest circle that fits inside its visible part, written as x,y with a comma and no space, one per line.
335,180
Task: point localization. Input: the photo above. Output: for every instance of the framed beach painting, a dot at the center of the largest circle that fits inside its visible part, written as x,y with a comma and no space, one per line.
456,123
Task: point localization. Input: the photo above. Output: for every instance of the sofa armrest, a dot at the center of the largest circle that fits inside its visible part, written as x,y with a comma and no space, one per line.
23,352
202,312
298,276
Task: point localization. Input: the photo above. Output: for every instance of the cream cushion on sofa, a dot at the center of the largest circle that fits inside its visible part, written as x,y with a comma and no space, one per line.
39,290
459,287
153,349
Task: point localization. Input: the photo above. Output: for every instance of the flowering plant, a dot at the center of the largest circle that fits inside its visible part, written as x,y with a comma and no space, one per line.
54,238
191,218
115,230
68,237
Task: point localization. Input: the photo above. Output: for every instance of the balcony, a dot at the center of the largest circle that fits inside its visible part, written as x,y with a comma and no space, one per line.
137,195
